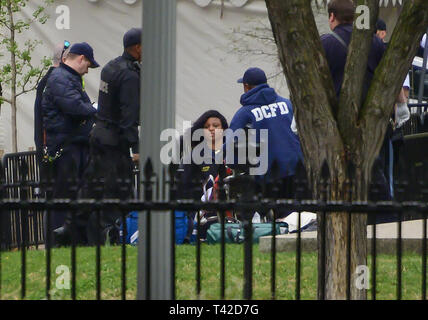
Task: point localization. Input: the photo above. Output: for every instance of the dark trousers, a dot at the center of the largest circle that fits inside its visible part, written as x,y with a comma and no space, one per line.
380,191
67,172
109,176
282,188
286,191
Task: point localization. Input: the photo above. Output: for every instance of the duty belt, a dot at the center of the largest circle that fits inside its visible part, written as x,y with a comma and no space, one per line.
49,159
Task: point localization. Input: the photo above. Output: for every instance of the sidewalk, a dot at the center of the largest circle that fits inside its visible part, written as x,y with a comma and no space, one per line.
386,239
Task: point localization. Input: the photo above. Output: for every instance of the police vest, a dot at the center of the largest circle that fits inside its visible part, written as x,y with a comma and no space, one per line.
108,99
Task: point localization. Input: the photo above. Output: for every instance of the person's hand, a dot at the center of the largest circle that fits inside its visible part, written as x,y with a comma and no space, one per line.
136,157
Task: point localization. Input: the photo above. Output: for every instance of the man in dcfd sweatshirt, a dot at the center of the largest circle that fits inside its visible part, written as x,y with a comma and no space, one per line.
264,110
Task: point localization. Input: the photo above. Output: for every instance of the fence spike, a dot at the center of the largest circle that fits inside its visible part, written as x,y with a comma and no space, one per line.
148,169
325,171
275,170
300,171
23,169
2,179
196,182
222,171
172,170
351,170
374,187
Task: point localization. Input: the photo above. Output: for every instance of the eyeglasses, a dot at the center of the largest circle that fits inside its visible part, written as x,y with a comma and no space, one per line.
66,46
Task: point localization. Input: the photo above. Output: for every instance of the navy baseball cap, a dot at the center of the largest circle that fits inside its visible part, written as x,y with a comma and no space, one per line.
85,49
132,37
253,76
380,25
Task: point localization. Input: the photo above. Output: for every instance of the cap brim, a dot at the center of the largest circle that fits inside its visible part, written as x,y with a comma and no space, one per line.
94,64
241,80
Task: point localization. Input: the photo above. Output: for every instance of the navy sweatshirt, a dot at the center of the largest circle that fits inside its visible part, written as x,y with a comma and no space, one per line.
262,108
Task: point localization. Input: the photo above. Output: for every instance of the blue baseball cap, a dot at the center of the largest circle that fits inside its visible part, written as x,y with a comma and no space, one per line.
132,37
85,49
253,76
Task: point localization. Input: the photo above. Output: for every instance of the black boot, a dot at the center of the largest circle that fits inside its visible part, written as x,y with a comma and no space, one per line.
61,237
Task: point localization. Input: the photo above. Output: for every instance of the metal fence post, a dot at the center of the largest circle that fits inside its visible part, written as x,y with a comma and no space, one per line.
157,113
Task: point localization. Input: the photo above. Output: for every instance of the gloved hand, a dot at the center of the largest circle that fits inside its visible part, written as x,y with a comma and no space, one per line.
402,114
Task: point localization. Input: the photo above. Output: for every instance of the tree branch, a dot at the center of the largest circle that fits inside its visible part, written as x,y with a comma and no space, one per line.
35,84
351,94
5,99
391,72
309,80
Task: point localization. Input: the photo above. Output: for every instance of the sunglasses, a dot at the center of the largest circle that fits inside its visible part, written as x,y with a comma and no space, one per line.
66,46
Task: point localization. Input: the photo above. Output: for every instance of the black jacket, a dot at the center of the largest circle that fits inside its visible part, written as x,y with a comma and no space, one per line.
119,104
191,176
68,114
38,117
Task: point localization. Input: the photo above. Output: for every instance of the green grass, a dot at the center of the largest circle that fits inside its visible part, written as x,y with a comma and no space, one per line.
185,274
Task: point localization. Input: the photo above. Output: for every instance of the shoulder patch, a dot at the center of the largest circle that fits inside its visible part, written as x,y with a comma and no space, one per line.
104,87
205,169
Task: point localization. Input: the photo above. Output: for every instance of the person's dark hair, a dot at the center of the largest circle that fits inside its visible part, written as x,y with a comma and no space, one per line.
200,123
343,10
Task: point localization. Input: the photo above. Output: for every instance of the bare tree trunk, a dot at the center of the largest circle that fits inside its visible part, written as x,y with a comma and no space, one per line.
1,95
14,128
345,239
335,132
13,80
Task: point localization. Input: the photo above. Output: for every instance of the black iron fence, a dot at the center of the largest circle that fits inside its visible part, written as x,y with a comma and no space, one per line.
26,212
21,181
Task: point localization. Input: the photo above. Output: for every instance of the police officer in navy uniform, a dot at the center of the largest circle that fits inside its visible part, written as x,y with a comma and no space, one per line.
114,135
68,117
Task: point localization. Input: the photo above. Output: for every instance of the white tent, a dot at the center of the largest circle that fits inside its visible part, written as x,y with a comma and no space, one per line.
207,63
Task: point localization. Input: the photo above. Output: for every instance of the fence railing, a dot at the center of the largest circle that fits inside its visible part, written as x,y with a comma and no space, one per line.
25,212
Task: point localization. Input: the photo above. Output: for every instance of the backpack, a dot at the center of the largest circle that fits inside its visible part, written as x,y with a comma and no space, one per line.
131,229
234,232
181,227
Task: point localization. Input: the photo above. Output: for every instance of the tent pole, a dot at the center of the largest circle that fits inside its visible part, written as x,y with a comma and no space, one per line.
155,278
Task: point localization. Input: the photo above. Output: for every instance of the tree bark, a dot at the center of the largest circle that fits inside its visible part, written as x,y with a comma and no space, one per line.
13,78
337,132
351,94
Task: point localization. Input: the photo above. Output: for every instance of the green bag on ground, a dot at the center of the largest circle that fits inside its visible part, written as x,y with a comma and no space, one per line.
234,232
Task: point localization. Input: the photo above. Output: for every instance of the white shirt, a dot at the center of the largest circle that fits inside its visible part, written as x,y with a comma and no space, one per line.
407,82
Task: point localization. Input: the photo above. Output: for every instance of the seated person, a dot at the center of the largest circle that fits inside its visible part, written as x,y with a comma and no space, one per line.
202,161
